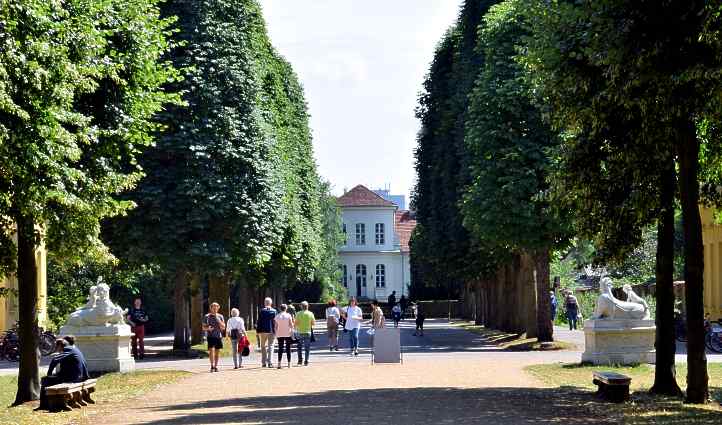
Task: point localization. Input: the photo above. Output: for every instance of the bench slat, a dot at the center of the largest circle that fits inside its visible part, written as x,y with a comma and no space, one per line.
612,378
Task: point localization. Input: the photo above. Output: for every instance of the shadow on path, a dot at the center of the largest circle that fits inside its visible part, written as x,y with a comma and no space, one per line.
404,406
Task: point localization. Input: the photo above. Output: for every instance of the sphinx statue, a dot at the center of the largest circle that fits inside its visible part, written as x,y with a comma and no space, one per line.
99,310
609,307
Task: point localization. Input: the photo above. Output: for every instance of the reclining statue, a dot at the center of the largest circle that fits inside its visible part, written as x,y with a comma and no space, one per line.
609,307
99,310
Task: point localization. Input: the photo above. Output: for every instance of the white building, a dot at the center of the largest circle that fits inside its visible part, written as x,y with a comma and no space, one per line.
375,257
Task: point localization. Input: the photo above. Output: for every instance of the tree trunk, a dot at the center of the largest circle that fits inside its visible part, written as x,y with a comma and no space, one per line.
181,333
665,381
219,292
528,303
479,303
545,329
196,309
697,379
27,274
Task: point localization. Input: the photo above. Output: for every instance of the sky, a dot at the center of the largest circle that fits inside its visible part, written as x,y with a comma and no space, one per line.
362,64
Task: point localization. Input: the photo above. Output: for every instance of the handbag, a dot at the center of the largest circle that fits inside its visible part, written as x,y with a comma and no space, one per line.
244,346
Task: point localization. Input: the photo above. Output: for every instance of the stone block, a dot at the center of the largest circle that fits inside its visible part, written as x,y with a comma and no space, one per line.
622,342
106,348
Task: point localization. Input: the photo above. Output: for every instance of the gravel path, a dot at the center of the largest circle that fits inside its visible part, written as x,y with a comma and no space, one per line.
450,376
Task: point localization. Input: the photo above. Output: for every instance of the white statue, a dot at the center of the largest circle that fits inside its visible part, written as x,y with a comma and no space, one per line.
609,307
99,310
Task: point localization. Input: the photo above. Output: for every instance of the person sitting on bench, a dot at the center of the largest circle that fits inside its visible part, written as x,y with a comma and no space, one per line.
72,369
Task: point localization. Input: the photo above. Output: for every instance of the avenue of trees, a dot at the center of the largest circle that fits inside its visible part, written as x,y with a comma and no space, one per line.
158,141
543,121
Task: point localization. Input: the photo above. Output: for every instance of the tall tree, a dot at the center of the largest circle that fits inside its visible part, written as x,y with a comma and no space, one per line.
660,64
507,203
79,86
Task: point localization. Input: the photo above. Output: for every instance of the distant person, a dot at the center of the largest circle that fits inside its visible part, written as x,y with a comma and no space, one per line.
236,329
392,299
137,318
571,307
396,314
214,325
377,316
304,323
265,329
354,316
403,302
333,318
553,305
295,340
284,329
420,317
72,368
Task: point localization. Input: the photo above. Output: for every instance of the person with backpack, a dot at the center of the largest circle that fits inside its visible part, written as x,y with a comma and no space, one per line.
237,330
572,309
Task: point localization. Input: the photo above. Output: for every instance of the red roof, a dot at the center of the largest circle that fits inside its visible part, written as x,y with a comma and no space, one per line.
405,223
360,196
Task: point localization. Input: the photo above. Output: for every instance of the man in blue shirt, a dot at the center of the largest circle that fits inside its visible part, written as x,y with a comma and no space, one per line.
72,369
266,330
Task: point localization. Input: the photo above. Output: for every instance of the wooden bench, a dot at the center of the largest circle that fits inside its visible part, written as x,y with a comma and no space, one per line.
70,395
613,386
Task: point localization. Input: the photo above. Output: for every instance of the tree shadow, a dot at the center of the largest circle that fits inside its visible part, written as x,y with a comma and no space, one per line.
568,405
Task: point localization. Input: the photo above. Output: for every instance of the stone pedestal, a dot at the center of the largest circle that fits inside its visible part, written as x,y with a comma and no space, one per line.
622,342
106,348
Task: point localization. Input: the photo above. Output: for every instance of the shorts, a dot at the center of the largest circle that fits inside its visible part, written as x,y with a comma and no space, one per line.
215,342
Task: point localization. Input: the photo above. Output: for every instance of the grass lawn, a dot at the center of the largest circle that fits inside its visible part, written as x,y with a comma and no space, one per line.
513,341
202,349
111,388
643,408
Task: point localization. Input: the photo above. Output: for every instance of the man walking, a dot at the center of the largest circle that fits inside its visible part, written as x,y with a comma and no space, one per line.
304,325
266,330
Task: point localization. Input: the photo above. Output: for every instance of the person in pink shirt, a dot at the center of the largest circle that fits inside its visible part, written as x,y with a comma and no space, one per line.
284,330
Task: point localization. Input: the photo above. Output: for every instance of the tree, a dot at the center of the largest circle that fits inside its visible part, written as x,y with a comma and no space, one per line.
651,68
440,159
507,202
80,83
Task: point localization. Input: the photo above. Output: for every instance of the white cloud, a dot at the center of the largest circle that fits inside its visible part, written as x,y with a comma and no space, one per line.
362,64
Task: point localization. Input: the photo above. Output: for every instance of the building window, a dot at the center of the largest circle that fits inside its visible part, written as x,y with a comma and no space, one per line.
361,275
380,276
345,276
360,234
345,235
380,236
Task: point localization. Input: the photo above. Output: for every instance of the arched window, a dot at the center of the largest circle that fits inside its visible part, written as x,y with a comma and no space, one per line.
380,276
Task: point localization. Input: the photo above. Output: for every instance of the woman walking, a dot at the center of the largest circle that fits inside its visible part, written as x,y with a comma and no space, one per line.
214,325
237,330
284,330
333,317
354,316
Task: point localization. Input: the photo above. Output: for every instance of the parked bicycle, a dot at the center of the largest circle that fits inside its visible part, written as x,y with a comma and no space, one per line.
10,343
712,332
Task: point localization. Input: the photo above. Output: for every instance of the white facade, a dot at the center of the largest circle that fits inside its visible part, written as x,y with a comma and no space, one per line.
372,260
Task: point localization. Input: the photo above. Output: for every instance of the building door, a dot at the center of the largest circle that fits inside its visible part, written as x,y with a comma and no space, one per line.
361,280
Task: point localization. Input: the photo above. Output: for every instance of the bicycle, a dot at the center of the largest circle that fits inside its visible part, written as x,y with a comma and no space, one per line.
10,343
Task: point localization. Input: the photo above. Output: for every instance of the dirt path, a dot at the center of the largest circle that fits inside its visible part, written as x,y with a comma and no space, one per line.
442,387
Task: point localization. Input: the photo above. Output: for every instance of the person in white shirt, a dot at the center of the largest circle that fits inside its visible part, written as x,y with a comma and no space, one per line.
237,330
354,316
333,316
